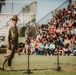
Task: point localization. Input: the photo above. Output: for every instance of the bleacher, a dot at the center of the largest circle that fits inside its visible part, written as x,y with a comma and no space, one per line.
23,18
3,22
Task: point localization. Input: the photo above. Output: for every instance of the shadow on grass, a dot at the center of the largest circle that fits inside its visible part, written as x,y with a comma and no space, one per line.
66,64
30,71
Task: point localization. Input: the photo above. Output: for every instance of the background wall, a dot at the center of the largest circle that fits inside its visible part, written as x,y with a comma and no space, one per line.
43,6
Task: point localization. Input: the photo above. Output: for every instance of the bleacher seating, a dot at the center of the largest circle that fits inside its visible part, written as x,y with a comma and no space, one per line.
5,20
23,18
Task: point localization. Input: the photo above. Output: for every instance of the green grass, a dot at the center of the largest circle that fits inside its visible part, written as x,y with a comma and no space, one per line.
41,65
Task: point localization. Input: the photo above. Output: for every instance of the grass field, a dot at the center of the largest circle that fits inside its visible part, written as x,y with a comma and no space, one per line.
40,65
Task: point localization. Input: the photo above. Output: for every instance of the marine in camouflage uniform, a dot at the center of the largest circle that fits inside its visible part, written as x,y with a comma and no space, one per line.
11,41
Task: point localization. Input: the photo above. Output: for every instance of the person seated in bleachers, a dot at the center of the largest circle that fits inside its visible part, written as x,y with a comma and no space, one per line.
40,48
46,49
20,48
72,48
52,47
65,50
66,40
74,38
32,46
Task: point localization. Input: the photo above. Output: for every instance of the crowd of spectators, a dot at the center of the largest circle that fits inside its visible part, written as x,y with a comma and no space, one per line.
58,34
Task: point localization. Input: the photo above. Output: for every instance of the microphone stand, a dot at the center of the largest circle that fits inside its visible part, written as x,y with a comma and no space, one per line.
58,68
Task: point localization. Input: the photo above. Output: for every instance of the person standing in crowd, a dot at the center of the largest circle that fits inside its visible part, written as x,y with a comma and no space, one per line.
27,46
11,41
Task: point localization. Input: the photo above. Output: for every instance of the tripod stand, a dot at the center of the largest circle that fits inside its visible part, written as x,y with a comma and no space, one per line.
58,68
28,70
28,53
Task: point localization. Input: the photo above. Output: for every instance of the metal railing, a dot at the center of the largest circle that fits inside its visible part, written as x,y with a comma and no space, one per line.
19,14
46,18
50,15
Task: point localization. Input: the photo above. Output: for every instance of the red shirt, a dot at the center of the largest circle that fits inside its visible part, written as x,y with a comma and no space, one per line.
52,32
